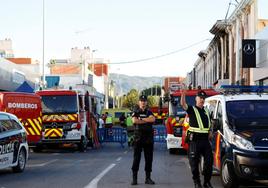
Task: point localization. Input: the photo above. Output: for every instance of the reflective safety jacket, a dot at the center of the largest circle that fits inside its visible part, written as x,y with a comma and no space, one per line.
200,128
109,120
129,121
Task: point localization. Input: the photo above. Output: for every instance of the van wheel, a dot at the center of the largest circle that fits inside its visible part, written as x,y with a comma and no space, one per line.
21,161
227,174
83,144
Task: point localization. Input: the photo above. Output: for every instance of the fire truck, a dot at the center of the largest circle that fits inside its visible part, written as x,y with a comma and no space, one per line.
27,107
69,117
178,122
160,114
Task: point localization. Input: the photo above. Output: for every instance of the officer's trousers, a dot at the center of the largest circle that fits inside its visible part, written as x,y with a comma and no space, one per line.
148,155
197,149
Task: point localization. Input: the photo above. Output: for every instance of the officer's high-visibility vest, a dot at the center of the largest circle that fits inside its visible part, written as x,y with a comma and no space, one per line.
129,121
200,128
109,120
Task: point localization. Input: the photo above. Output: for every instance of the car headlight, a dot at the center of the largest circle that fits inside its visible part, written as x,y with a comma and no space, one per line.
242,143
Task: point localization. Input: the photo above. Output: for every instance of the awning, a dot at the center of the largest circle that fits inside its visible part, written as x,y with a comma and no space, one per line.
25,87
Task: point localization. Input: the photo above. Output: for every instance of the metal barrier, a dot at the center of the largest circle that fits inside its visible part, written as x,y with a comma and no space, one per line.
160,134
114,134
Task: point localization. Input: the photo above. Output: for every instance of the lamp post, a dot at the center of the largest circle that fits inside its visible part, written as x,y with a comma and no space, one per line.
43,57
92,61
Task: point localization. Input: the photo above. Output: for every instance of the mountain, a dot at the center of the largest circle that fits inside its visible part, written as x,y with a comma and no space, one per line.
125,83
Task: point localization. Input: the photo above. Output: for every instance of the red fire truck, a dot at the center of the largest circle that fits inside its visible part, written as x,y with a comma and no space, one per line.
27,107
68,117
160,114
177,123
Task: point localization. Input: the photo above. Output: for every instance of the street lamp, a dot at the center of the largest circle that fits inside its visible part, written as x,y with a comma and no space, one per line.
43,58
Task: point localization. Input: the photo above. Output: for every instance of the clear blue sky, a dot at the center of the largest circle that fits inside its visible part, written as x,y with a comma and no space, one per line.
120,30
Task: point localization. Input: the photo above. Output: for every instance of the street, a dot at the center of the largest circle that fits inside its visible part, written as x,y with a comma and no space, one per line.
106,167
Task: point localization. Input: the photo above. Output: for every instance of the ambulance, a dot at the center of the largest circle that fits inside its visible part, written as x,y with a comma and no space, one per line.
27,107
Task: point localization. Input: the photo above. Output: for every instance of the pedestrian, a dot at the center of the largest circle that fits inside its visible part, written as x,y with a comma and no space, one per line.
198,136
122,120
143,120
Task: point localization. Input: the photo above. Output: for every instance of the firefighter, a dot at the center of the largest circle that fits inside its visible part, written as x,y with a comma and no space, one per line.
198,136
143,120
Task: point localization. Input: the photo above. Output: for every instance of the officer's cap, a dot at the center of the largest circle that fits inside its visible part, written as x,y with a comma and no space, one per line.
201,94
143,98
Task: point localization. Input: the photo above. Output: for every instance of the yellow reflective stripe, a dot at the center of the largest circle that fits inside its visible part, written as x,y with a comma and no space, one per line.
199,120
31,131
201,128
197,130
47,132
59,132
34,127
37,124
71,117
173,121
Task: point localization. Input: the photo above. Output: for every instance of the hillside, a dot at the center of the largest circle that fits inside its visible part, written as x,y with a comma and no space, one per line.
126,83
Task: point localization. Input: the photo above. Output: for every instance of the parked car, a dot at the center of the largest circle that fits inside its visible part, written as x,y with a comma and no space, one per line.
13,143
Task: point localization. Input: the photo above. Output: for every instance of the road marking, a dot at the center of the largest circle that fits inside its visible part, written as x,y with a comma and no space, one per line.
125,152
118,159
55,154
94,182
42,164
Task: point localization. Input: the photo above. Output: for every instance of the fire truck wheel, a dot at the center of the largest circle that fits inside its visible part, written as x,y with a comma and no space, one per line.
83,144
227,174
173,150
37,148
21,161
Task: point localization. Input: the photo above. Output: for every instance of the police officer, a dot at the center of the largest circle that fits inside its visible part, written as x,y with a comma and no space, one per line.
143,120
199,135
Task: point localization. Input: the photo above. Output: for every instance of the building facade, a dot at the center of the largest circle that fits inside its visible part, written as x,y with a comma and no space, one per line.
221,62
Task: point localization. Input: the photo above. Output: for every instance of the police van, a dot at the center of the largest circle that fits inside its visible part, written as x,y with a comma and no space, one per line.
240,133
13,143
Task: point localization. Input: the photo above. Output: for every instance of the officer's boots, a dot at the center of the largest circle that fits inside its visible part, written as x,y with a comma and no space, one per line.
148,179
135,178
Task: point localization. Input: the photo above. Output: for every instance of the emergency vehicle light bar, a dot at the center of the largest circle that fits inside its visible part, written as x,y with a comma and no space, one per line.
243,89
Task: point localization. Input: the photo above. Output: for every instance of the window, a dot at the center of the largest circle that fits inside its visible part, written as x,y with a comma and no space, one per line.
7,125
16,124
219,115
211,106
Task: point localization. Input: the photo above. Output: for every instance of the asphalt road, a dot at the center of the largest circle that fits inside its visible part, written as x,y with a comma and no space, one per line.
107,167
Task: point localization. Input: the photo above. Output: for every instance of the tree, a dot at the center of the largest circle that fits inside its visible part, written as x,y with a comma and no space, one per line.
131,99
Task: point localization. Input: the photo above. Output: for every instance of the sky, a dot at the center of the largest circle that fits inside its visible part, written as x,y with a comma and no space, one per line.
119,30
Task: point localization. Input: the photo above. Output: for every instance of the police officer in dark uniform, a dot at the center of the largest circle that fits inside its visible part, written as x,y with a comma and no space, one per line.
198,136
143,120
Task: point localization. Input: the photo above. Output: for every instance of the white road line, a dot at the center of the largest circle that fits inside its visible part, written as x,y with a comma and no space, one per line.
94,182
118,159
55,154
42,164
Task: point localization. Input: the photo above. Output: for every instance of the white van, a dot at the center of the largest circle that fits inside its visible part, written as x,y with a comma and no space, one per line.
240,142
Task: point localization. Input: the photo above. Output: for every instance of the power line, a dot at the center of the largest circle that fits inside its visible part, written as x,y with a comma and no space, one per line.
160,56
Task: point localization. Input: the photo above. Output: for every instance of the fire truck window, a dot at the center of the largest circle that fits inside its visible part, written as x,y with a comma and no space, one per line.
81,103
86,102
94,105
